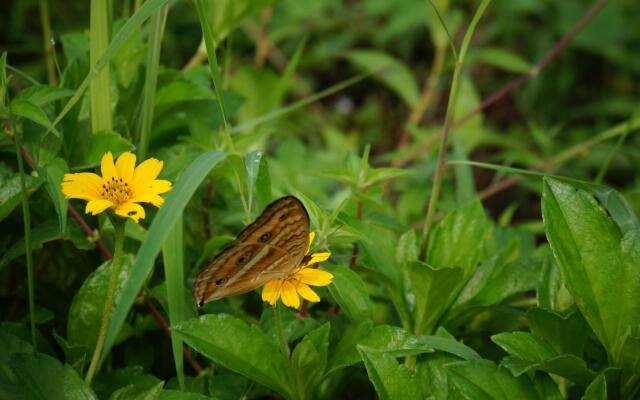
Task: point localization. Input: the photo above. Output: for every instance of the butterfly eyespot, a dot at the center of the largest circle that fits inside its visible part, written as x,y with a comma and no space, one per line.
244,258
265,237
220,281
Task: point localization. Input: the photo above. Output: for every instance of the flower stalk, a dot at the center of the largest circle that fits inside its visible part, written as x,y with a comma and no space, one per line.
116,263
277,317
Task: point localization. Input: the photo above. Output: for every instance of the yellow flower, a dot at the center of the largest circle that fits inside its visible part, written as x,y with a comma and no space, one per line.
297,283
120,188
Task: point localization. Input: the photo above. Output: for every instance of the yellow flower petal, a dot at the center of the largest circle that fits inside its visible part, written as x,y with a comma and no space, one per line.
318,257
289,295
306,292
84,186
315,277
271,291
159,186
144,173
131,210
312,235
107,167
97,206
125,165
148,198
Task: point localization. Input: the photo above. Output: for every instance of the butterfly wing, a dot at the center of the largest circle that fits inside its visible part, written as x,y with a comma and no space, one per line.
269,248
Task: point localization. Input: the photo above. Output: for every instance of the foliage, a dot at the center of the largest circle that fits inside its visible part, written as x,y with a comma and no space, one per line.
523,281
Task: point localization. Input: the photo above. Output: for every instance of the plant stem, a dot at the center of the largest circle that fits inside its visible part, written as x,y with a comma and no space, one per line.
437,178
100,94
118,224
48,46
26,217
284,347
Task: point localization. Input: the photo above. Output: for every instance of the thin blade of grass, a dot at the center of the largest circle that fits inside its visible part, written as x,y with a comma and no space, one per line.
209,41
301,103
134,23
100,92
168,215
156,29
172,257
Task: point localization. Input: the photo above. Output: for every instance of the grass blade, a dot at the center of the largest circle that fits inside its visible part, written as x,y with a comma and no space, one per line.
101,84
209,41
134,23
168,215
172,256
156,31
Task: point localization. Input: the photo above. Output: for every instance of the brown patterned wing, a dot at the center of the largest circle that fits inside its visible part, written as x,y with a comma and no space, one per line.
269,248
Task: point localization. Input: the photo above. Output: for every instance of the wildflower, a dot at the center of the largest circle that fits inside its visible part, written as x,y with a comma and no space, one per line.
121,187
297,283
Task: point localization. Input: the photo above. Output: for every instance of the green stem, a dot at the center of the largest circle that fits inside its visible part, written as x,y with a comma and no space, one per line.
26,217
100,94
437,178
48,47
284,347
116,263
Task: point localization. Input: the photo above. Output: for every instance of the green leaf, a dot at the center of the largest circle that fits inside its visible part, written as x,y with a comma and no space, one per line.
449,244
30,111
434,291
41,95
389,71
567,334
102,142
132,392
11,191
484,380
173,261
597,390
530,353
501,58
379,175
54,172
43,377
391,380
232,343
348,290
309,360
170,212
600,266
383,338
85,313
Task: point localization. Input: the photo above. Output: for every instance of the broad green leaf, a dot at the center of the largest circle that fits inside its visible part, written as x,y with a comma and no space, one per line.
26,109
390,71
239,347
180,395
41,95
348,289
102,142
600,266
567,333
309,360
391,380
135,393
85,313
529,353
434,290
133,378
383,338
449,244
170,212
263,195
252,166
40,234
10,189
432,374
53,173
484,380
10,344
597,390
43,377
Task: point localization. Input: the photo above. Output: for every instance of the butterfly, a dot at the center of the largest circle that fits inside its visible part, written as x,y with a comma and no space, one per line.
269,248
